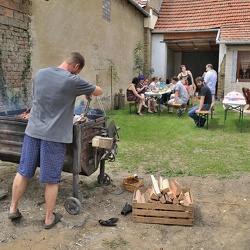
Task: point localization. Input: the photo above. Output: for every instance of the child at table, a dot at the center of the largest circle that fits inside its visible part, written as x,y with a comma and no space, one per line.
152,85
185,83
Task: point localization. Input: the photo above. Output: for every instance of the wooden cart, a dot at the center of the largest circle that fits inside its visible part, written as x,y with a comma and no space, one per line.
81,158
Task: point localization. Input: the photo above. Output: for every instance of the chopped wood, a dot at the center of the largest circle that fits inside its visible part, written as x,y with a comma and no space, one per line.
187,200
147,195
175,201
181,196
168,200
156,186
153,196
163,200
160,183
168,192
175,186
165,186
139,196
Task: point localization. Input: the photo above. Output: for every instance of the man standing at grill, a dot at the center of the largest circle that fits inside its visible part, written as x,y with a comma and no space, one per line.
49,129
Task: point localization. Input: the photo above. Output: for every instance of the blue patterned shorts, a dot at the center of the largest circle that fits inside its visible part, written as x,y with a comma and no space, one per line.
46,154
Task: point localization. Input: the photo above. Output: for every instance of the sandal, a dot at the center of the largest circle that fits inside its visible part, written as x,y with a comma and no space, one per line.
108,223
149,111
57,218
14,216
139,113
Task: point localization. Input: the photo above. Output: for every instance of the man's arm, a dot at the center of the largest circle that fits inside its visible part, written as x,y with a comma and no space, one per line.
202,98
96,92
176,93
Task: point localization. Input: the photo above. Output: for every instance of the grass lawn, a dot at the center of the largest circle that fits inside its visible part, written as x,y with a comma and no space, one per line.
173,146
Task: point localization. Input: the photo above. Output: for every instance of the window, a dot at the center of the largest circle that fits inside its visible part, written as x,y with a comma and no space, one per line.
243,66
106,9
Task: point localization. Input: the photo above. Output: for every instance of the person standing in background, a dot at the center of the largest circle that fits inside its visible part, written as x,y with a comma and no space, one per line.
191,85
210,79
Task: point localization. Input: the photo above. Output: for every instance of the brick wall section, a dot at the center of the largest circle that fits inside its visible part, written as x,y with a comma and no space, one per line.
221,79
14,49
147,50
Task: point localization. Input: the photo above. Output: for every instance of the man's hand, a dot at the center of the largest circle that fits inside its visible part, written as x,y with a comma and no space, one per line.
89,98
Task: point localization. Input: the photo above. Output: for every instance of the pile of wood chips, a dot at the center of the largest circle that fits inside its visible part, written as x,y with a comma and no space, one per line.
165,192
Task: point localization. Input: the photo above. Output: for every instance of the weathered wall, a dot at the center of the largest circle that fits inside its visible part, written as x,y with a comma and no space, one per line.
231,84
59,27
15,77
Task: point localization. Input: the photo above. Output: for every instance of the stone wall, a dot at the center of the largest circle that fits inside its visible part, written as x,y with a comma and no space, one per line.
15,76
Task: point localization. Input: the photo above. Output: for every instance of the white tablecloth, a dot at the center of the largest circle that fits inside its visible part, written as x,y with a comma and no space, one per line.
158,94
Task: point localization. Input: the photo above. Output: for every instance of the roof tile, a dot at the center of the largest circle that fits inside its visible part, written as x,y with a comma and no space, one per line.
232,16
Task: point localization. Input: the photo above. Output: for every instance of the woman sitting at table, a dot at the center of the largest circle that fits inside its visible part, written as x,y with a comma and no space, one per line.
151,101
141,88
132,94
152,85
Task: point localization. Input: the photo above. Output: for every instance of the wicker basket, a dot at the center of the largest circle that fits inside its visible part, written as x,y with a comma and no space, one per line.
131,183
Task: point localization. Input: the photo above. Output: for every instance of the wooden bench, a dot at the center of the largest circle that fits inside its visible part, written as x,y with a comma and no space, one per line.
205,114
131,104
178,106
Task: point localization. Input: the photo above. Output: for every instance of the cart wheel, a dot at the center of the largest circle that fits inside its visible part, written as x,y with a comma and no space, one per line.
106,180
72,205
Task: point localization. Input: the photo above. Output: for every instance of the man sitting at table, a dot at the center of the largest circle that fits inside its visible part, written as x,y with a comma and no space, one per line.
205,96
180,93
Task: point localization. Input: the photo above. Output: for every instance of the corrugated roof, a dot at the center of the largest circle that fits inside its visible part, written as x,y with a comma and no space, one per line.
232,16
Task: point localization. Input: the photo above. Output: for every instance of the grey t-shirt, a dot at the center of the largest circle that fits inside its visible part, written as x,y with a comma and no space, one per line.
55,91
182,92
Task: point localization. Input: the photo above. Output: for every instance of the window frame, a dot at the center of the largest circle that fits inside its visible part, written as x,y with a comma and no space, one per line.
239,69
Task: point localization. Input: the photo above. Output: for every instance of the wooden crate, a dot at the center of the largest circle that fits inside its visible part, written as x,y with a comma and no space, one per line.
158,213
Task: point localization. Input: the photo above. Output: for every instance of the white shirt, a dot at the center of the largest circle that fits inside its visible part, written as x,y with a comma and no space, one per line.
211,80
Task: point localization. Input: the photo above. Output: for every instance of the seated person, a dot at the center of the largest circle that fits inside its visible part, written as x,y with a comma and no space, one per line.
180,94
132,94
152,85
150,101
246,93
185,84
205,96
141,88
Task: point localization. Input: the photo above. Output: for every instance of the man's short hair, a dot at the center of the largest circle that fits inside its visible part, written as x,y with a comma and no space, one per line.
210,66
175,78
199,79
75,58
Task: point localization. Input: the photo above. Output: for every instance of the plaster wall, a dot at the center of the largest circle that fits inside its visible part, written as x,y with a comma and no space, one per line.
60,27
159,55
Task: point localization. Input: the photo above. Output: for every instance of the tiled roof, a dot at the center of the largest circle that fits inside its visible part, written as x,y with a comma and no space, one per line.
232,16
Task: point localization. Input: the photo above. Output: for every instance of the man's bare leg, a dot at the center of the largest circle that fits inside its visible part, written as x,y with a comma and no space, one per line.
50,199
18,188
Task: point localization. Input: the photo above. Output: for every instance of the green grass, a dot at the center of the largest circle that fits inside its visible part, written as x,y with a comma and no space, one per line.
173,146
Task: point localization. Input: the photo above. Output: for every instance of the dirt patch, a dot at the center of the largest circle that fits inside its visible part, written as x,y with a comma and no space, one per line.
222,216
